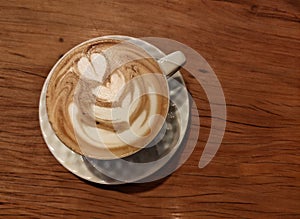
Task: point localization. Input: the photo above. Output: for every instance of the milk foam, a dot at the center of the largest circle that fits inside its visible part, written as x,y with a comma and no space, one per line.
108,100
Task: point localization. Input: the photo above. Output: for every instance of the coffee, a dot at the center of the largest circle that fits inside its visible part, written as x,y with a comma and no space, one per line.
107,98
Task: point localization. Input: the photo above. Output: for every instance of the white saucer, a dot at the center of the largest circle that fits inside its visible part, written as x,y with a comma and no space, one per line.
89,169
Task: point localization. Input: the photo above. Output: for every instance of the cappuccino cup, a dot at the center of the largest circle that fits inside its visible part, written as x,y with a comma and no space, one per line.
108,98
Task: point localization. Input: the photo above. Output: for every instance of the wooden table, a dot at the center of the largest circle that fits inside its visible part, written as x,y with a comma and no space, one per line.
254,48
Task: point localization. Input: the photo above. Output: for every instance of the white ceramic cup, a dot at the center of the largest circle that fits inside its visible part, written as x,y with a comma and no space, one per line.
169,64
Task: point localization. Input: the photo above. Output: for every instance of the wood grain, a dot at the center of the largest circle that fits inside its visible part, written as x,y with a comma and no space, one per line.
254,48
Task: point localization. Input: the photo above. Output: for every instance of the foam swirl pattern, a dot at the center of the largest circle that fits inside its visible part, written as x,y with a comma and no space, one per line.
107,99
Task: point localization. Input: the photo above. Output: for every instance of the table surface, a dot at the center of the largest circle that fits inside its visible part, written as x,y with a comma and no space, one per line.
254,48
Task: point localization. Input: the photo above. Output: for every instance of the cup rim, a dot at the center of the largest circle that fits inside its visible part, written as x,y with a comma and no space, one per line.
113,155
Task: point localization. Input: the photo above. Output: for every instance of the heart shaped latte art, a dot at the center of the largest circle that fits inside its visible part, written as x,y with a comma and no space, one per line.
107,99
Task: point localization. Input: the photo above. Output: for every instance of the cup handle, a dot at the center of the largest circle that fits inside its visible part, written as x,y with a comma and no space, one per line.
171,63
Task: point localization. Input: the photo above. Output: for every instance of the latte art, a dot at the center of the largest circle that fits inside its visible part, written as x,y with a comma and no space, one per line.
107,99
